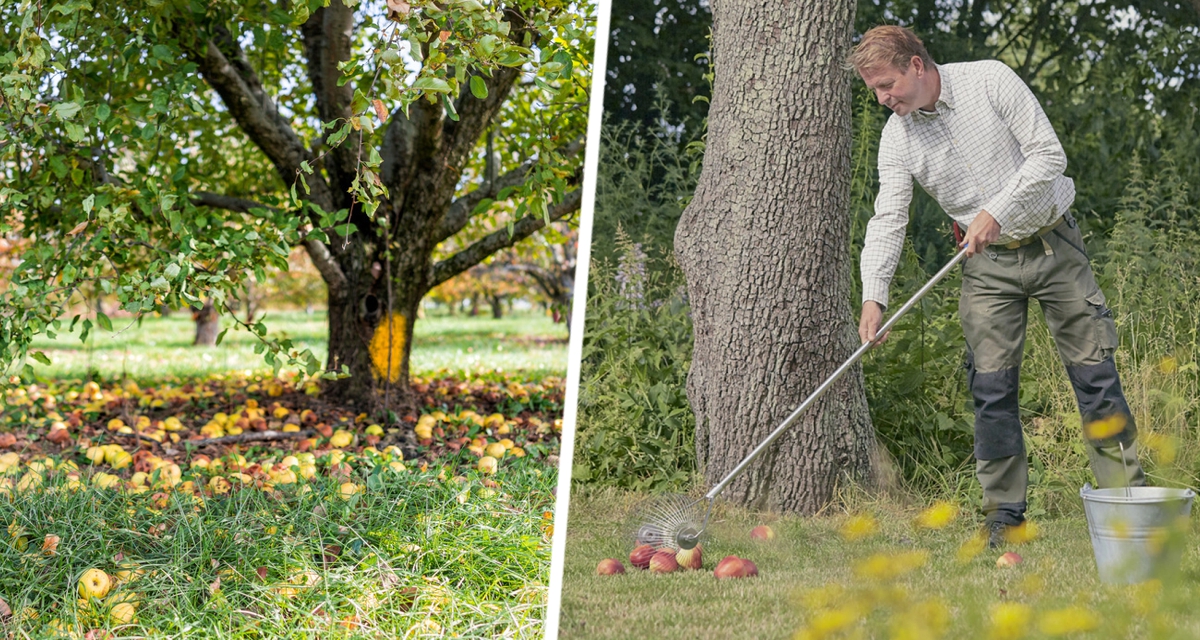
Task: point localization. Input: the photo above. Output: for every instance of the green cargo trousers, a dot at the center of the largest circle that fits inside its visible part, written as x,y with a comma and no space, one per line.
997,285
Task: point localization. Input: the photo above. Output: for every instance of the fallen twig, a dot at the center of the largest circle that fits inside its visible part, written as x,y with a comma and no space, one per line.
250,436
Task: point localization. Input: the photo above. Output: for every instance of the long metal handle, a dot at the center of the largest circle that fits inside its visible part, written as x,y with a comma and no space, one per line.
866,346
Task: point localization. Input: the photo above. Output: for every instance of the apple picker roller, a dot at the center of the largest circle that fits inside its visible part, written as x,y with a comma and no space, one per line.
678,521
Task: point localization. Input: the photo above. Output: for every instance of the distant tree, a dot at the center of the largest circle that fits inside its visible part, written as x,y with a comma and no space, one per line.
652,50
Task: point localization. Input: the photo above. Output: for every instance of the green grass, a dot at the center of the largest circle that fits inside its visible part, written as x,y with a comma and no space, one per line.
808,554
414,550
527,343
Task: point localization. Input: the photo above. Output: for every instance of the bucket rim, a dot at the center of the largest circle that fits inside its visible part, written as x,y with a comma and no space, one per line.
1088,493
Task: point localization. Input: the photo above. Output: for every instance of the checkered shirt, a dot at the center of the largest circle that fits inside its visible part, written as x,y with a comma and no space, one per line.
988,146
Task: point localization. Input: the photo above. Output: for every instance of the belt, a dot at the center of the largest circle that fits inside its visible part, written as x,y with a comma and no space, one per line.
1016,244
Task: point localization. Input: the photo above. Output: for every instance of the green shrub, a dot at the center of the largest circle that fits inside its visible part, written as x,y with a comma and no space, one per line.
635,427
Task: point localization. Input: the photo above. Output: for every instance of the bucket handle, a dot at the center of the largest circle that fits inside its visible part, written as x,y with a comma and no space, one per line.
1087,487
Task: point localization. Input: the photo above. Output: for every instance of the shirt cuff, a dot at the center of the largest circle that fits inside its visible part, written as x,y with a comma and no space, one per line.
1003,208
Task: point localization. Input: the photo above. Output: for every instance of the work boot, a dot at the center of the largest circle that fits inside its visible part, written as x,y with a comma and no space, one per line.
997,534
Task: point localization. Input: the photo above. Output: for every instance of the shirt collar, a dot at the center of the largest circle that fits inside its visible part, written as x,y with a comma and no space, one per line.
946,97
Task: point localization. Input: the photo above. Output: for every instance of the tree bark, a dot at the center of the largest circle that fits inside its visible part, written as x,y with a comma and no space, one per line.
497,304
764,246
208,325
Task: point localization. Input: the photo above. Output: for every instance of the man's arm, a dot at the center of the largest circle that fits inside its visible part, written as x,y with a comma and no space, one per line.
1044,156
885,231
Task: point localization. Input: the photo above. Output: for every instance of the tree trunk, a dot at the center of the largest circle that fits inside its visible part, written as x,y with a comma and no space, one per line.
764,245
497,304
208,325
474,305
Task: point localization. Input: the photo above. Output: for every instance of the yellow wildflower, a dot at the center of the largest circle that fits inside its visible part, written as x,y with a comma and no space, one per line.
926,620
858,527
811,599
1168,364
1022,533
1010,621
937,516
884,567
972,547
1061,622
1105,427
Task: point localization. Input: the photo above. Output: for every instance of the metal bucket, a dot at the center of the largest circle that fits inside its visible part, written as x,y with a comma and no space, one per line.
1135,530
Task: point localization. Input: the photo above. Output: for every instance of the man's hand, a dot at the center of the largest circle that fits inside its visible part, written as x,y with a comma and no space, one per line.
868,325
983,231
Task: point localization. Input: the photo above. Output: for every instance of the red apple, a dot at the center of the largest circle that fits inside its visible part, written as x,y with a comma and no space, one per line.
609,567
1009,559
640,557
751,568
689,558
762,532
663,562
730,567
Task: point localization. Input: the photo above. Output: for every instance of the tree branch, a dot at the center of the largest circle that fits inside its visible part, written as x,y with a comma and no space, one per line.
225,68
461,210
327,42
325,263
322,259
493,242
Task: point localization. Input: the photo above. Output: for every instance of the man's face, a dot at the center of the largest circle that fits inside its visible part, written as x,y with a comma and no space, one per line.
900,91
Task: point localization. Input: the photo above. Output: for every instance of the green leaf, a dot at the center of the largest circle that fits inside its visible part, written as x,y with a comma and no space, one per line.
103,321
162,52
483,205
479,87
66,110
428,83
40,357
487,44
172,271
221,336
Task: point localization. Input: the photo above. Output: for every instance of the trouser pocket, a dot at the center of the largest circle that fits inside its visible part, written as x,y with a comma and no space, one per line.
1105,327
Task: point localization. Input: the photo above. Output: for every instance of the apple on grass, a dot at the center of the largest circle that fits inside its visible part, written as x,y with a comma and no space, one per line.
663,562
730,567
609,567
94,583
640,556
1009,559
689,558
762,532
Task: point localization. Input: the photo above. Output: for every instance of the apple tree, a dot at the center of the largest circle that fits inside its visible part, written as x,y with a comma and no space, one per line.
165,152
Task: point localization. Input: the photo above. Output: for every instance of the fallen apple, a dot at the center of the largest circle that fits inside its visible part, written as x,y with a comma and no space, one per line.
1009,559
730,567
689,558
609,567
94,583
663,562
762,532
640,556
751,568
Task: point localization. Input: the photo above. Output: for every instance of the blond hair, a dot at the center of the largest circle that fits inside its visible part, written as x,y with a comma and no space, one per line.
888,45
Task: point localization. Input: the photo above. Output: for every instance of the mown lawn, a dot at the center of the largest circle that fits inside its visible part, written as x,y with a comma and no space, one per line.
438,526
455,345
816,583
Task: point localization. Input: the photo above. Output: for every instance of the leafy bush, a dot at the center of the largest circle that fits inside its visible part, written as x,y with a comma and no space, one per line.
635,426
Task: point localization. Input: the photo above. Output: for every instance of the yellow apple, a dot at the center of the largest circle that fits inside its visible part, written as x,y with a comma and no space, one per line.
94,583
